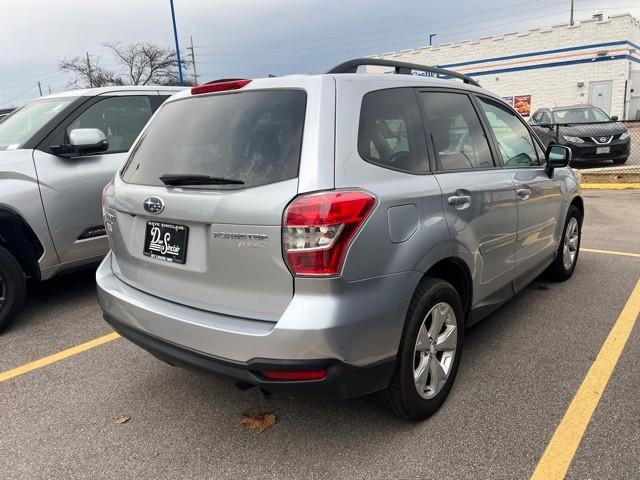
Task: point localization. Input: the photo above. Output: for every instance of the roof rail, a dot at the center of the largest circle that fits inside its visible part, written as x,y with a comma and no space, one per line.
402,68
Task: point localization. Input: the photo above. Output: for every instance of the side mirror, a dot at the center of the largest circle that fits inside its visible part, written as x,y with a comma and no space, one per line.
558,156
83,141
88,140
614,118
547,125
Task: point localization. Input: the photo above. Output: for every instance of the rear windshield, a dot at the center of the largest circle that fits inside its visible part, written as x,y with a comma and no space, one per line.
253,136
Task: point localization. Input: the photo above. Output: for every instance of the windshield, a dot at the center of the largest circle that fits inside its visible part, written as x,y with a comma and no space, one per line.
20,126
581,115
241,139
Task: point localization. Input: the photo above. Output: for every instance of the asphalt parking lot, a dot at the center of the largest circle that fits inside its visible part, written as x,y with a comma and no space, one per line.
521,369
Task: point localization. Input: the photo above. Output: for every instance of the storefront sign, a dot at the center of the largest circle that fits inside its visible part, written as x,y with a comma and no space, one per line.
522,104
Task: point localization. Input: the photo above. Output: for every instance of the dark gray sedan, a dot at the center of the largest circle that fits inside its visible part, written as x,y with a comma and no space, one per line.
591,134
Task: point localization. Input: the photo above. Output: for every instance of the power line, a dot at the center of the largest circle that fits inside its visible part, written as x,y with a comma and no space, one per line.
328,51
383,42
403,27
7,101
386,44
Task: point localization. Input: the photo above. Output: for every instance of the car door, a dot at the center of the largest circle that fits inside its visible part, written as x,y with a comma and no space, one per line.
478,196
70,187
539,197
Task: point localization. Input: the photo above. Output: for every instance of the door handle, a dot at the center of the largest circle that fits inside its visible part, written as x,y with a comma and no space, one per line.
460,201
523,193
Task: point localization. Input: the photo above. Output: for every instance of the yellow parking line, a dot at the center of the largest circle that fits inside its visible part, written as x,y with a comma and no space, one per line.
610,186
56,357
559,454
610,252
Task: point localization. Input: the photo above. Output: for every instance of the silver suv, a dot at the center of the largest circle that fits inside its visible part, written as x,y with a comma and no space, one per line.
56,155
332,235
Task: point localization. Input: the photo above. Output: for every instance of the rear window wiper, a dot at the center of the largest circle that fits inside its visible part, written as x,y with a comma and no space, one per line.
187,179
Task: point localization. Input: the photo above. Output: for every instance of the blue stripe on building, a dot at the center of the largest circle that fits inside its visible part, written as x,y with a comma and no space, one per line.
543,52
553,64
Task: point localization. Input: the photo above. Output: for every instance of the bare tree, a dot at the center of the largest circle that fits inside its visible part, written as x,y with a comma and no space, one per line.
88,72
143,63
147,63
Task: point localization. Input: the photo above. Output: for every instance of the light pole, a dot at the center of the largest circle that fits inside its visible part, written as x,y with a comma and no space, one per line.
175,36
431,38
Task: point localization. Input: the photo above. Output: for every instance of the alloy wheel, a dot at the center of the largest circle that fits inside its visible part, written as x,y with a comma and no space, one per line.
435,350
571,241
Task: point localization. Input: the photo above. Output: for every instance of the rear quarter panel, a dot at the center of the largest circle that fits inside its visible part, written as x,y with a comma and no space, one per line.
395,238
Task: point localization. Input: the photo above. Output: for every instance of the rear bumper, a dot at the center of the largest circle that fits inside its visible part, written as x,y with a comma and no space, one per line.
342,380
352,329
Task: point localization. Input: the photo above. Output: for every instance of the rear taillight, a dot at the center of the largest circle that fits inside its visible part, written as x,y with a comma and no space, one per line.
318,229
219,86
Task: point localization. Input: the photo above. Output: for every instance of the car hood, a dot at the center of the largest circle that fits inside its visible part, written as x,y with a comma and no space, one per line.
593,129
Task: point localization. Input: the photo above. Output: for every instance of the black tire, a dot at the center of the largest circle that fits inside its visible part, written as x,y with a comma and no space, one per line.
401,396
13,288
620,161
557,270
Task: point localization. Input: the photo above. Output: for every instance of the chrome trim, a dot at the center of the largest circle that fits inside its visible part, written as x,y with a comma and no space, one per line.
596,140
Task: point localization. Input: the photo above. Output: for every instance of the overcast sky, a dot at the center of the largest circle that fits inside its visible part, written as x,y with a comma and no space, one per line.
252,38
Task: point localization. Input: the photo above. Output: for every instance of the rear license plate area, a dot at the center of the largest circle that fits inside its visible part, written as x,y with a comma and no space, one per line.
166,241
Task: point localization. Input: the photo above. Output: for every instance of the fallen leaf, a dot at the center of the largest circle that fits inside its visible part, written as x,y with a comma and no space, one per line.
122,419
258,421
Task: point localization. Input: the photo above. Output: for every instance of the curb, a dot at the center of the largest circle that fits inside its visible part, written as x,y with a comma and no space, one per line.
610,186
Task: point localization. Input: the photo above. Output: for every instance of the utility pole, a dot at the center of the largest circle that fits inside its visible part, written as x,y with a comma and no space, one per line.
571,16
431,38
40,87
175,36
89,71
193,60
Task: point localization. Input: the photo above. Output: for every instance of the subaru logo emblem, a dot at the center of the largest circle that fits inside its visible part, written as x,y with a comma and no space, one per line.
153,205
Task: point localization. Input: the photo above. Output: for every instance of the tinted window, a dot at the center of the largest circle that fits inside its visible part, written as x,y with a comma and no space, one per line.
456,131
23,124
581,115
390,130
253,136
513,137
120,118
545,118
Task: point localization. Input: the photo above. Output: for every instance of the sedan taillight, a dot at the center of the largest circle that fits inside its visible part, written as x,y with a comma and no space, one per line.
319,227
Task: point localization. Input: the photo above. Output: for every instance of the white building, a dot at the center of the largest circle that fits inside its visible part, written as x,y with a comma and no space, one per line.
594,61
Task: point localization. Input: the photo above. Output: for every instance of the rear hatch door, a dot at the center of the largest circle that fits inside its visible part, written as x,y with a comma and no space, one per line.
195,215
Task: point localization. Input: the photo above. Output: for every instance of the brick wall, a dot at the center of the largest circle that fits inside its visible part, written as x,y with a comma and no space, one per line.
547,86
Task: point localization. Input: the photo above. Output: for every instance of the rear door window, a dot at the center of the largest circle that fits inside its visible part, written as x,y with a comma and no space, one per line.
456,131
252,136
389,134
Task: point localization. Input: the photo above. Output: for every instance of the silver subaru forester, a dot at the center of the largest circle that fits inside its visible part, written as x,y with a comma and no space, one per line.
333,235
